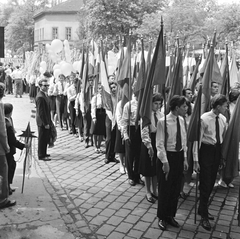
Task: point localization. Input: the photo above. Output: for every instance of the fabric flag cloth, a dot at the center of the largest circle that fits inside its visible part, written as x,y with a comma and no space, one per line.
81,72
193,80
225,88
216,75
106,93
230,151
233,71
156,76
125,71
185,69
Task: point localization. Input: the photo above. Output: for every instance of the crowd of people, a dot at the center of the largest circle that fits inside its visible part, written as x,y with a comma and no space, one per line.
158,152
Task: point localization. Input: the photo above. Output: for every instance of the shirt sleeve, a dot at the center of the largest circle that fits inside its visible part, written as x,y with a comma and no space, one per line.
124,121
93,107
145,137
161,151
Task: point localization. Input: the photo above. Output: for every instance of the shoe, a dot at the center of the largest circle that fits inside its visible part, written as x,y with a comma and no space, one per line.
114,160
150,199
140,181
106,161
48,155
209,217
171,221
162,225
70,132
122,170
230,185
154,196
205,224
45,159
86,145
97,151
9,203
81,139
183,195
222,184
131,182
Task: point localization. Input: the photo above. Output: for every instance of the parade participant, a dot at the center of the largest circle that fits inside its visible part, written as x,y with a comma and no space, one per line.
132,139
9,86
71,95
148,154
172,161
213,128
86,111
233,96
111,126
17,76
2,73
66,119
59,93
119,143
214,89
4,149
13,144
79,117
33,91
43,119
52,99
98,114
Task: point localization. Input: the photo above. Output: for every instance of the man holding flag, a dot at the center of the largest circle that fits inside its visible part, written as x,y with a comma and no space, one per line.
212,132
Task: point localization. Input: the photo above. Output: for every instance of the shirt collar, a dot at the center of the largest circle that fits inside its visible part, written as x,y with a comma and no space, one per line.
172,116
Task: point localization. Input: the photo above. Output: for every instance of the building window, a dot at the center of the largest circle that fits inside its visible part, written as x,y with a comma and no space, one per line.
54,32
68,33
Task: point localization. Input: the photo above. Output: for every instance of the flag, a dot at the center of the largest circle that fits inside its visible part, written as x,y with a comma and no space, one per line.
233,71
225,88
230,151
91,59
193,80
106,92
156,76
216,75
185,69
81,72
125,71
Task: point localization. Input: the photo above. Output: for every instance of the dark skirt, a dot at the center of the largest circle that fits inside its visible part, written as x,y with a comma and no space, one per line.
33,91
65,111
79,118
52,100
147,165
119,143
99,128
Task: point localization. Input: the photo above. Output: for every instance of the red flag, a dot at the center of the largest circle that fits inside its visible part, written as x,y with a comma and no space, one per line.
156,76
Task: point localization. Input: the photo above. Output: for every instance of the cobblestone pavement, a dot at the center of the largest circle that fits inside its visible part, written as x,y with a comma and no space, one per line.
91,199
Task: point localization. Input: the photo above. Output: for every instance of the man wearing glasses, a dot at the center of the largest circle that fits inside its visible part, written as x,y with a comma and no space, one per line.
43,118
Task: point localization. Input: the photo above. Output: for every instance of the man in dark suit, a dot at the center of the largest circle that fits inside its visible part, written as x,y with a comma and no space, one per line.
43,119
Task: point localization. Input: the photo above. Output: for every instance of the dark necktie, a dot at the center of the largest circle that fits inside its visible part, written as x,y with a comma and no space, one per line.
178,138
155,118
217,131
185,123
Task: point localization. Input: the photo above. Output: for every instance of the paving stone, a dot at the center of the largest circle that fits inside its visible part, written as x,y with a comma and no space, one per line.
135,233
141,226
114,220
132,219
152,233
219,235
148,217
116,235
122,212
124,227
186,234
170,235
99,220
93,212
105,230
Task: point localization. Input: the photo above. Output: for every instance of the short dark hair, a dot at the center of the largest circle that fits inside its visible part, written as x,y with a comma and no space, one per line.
218,100
8,108
189,110
233,95
214,82
185,90
157,97
175,101
47,74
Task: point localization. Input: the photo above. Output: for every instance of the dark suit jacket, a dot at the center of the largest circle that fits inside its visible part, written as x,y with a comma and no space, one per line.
43,109
12,141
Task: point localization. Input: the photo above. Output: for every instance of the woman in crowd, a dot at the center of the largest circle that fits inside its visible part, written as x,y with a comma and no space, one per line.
52,99
149,152
98,114
33,90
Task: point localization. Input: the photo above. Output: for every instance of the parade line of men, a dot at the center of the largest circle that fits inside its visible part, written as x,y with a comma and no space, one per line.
158,151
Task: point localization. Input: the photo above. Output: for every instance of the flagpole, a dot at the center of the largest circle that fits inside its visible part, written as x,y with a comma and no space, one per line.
130,84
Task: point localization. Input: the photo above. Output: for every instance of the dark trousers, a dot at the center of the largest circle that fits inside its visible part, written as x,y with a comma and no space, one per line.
168,190
110,139
87,122
4,190
60,108
209,160
11,167
43,140
132,153
72,116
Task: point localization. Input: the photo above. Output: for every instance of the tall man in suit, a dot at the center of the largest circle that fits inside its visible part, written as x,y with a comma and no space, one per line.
43,119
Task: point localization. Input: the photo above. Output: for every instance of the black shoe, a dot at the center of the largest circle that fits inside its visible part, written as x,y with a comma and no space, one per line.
154,196
162,225
150,199
9,203
48,155
131,182
106,161
114,160
140,181
209,217
45,159
86,145
183,195
205,224
171,221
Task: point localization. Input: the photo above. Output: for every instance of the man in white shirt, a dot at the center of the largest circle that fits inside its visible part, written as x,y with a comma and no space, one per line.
213,128
172,161
18,81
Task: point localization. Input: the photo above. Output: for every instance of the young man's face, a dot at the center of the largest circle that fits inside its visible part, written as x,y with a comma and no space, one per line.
113,88
189,95
182,110
214,89
222,108
156,105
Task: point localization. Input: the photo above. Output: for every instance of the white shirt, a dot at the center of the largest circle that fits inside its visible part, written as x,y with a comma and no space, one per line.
71,93
171,136
17,74
96,103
